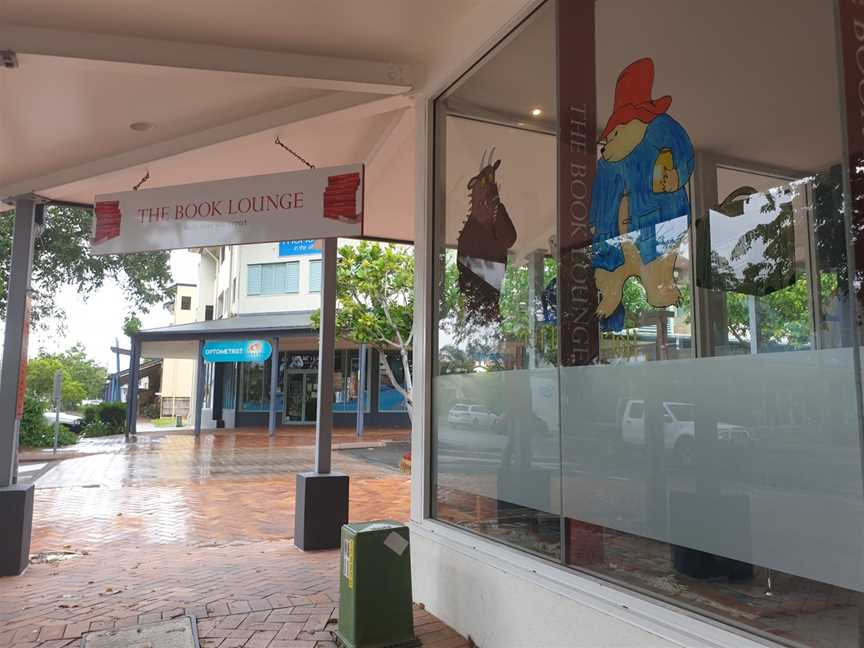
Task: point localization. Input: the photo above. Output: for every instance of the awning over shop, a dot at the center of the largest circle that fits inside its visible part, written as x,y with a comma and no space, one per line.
181,340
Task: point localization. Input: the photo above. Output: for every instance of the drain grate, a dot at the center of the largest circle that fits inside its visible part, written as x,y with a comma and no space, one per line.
176,633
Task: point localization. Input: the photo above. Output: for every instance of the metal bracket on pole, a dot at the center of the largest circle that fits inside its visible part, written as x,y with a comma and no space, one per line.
326,359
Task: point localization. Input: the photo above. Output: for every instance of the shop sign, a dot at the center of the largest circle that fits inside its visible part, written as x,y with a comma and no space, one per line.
577,160
299,248
313,204
237,351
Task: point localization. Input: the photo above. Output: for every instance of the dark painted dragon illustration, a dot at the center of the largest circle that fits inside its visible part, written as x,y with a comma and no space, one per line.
481,251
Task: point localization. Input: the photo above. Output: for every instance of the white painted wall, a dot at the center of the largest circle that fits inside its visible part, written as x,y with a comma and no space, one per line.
505,598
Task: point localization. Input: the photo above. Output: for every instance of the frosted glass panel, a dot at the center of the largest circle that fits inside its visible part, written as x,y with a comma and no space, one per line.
755,458
498,436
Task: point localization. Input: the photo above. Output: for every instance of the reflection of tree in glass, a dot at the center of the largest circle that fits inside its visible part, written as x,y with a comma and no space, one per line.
775,267
783,306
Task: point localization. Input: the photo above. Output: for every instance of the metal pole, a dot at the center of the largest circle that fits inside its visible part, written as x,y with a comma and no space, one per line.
754,324
326,359
116,382
132,390
58,398
199,387
536,285
274,380
361,389
14,368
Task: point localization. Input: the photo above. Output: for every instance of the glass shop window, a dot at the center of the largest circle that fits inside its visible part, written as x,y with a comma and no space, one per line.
686,297
495,396
255,386
391,383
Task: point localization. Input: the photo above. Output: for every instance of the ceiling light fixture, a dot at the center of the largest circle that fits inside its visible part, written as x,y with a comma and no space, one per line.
141,126
536,112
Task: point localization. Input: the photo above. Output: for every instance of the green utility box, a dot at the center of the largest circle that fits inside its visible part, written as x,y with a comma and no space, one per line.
375,605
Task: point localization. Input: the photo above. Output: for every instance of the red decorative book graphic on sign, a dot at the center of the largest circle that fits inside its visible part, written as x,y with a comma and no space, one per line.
340,197
107,220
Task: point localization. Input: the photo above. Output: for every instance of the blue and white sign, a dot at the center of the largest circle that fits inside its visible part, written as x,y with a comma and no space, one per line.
298,248
237,351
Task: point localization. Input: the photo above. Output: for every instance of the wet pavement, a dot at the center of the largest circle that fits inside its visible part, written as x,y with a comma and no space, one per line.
171,524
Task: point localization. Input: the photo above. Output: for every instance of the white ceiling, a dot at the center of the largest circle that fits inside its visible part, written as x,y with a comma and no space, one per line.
57,112
382,30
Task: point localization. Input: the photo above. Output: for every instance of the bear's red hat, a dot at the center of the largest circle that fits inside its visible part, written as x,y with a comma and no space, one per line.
633,96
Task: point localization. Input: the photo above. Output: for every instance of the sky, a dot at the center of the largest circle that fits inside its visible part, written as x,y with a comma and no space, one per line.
98,320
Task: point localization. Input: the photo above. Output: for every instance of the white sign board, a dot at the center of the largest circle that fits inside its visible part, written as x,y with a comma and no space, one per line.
313,204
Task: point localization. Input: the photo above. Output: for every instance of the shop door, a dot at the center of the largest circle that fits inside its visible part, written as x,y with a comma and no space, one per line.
294,398
311,397
301,397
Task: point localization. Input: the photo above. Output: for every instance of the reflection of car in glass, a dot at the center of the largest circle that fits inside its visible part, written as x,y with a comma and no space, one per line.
473,415
679,428
71,421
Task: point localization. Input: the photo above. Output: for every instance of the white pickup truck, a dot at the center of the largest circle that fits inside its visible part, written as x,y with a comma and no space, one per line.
679,428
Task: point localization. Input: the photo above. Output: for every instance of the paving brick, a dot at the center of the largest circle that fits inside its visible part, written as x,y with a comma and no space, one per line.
205,530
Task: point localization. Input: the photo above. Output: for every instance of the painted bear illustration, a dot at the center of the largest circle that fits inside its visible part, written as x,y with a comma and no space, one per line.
646,162
481,251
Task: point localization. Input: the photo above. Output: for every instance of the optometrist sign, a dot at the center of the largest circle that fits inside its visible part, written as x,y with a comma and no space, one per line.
237,351
313,204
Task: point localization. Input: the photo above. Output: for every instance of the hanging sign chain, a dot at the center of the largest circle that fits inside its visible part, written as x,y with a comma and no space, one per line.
279,142
141,181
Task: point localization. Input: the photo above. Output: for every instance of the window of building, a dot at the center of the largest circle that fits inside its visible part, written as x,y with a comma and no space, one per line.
208,313
346,381
185,302
315,276
645,362
255,386
273,278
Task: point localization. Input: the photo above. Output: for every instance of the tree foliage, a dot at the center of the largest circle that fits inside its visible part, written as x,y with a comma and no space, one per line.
62,258
375,304
82,377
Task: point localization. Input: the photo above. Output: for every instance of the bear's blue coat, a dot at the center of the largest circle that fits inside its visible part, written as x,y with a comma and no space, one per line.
634,175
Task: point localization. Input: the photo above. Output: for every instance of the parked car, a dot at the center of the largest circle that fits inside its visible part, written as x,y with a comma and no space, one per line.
477,416
71,421
679,429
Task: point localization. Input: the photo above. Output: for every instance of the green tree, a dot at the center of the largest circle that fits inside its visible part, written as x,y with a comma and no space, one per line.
62,258
375,304
82,377
131,325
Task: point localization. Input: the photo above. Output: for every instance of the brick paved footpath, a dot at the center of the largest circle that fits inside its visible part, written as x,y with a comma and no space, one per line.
148,545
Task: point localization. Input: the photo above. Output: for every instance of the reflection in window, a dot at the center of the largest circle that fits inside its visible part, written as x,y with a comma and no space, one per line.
709,452
496,438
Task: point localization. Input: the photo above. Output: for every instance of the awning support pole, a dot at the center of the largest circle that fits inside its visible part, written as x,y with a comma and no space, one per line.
199,387
361,388
326,359
15,341
132,390
322,496
274,383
